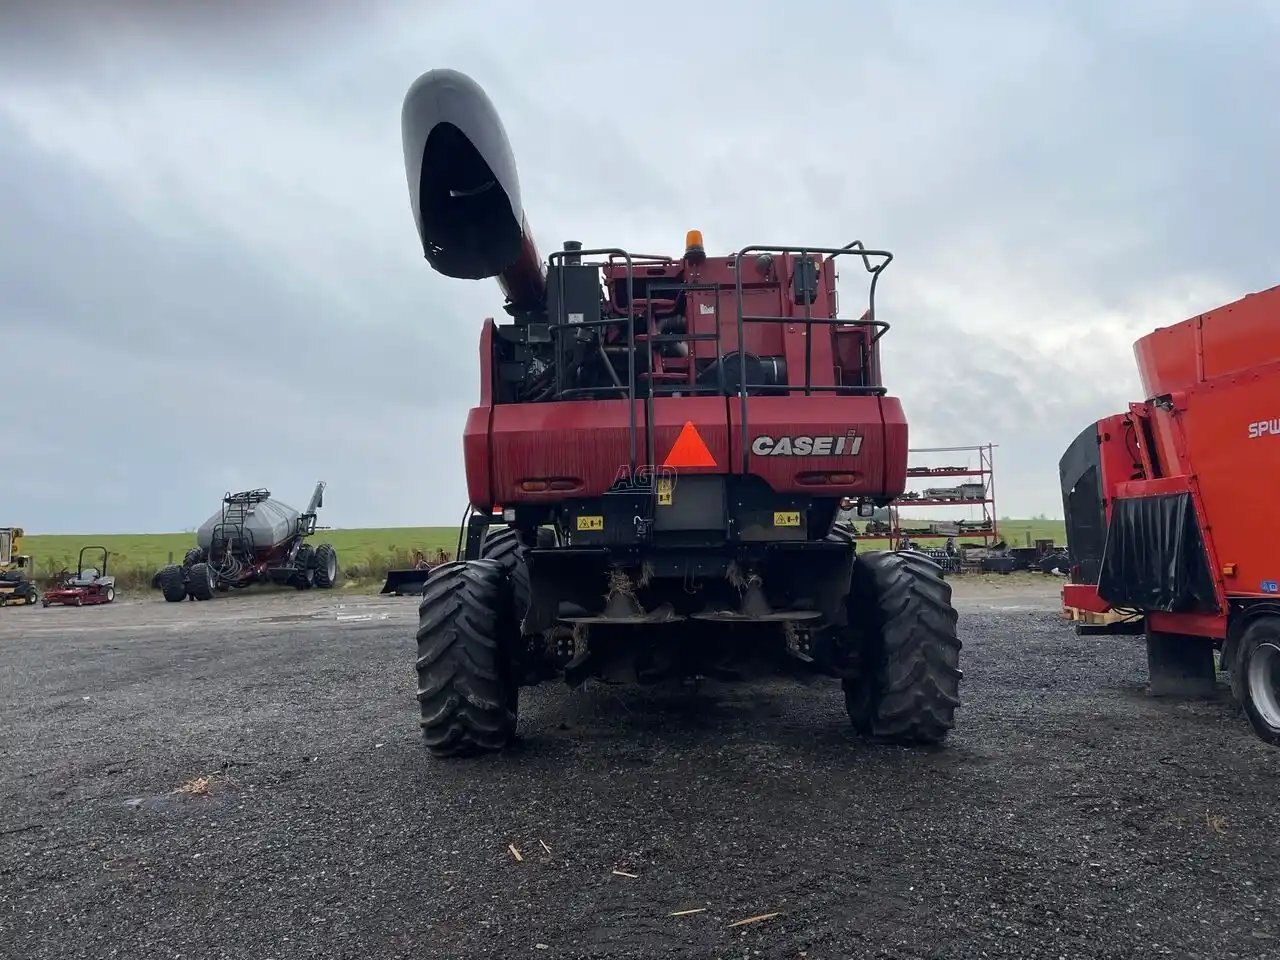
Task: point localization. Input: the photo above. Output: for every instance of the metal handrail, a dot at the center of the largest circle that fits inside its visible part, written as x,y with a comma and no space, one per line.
856,248
557,330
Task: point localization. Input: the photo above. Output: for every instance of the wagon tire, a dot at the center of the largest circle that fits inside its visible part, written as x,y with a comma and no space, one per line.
326,567
201,582
173,583
1258,672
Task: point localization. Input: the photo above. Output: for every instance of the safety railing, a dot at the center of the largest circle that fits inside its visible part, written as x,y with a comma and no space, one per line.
794,258
558,327
799,258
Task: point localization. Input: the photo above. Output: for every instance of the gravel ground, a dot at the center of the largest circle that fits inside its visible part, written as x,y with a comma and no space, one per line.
1069,816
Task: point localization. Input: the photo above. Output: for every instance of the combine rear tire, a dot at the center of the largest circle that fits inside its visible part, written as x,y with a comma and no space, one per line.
172,583
908,687
466,693
503,545
1257,664
201,582
842,531
326,565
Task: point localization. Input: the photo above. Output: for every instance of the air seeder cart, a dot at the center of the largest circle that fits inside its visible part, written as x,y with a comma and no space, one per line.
88,586
671,440
252,539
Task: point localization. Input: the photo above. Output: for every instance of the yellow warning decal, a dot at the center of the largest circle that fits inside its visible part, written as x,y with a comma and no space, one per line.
591,523
786,519
664,492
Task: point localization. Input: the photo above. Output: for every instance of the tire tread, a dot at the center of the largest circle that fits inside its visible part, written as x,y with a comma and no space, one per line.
910,689
465,693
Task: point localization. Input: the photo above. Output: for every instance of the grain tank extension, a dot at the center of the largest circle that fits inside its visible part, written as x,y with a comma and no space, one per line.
251,539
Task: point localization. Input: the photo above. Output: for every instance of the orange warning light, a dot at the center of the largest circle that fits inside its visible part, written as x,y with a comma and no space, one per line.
689,450
694,251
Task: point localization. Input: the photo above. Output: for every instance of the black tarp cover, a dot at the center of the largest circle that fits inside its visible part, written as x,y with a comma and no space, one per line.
1155,557
1079,473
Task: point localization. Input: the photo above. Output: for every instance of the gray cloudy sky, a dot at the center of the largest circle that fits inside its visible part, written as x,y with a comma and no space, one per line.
209,276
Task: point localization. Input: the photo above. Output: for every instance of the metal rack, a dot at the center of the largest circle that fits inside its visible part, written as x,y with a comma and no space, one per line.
986,529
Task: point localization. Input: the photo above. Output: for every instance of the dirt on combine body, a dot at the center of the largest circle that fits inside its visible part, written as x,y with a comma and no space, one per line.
252,539
1171,520
671,440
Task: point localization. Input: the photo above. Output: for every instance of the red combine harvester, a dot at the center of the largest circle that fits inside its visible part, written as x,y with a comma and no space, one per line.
671,440
1170,511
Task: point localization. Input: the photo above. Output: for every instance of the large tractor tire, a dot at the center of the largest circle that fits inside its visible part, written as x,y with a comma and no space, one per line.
201,582
920,554
194,555
466,692
503,545
1257,665
904,629
326,567
172,583
842,531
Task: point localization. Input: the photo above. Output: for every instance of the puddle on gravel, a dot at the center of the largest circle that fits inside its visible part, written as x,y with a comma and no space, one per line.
341,614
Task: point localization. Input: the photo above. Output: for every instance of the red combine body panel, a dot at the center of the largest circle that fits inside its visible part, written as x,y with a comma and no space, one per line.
668,441
854,445
1180,487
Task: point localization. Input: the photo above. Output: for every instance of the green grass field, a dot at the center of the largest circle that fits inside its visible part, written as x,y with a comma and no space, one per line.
364,555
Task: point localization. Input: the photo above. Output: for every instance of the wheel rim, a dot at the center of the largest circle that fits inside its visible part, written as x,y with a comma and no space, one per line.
331,568
1264,683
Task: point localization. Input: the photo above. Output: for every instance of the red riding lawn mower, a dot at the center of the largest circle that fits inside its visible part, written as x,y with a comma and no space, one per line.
672,441
89,585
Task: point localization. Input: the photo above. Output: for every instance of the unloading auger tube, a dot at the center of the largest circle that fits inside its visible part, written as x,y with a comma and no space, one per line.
464,190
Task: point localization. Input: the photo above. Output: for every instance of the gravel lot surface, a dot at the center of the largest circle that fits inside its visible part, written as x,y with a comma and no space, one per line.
1069,816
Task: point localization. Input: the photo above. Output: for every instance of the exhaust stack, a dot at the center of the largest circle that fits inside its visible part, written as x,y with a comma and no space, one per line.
464,189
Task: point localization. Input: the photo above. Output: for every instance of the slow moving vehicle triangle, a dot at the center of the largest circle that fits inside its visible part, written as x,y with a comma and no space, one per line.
689,450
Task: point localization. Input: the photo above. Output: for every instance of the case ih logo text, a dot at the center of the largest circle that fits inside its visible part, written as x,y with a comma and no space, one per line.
1264,428
804,446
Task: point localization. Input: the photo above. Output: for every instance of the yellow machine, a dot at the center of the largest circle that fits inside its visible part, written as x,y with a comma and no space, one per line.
16,587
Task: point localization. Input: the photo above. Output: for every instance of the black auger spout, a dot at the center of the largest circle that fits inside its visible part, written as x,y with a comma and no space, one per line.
464,189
